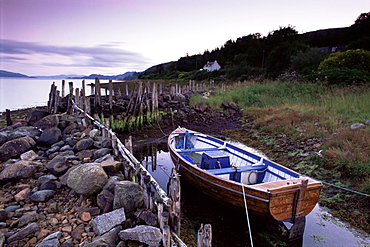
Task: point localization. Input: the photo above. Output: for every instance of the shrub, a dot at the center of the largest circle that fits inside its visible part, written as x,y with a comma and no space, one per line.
351,59
341,77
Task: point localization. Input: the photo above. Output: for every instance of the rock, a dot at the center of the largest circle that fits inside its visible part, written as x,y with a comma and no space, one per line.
3,215
16,147
50,136
128,195
20,169
48,185
105,222
201,107
179,97
104,158
19,132
147,216
29,155
42,195
104,143
112,183
86,155
58,165
234,106
358,126
109,238
35,115
28,230
84,144
77,232
103,198
51,240
22,195
87,179
2,239
94,133
27,218
367,122
46,178
101,152
47,122
67,130
149,235
112,166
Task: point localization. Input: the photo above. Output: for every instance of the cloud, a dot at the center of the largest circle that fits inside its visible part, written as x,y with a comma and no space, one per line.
104,55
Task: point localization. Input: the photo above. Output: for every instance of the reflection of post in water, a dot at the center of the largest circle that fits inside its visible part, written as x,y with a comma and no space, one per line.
148,153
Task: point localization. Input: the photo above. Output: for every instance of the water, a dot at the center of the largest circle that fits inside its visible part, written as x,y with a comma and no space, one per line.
229,228
20,93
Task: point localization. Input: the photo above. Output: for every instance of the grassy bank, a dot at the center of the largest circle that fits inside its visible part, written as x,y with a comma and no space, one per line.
300,112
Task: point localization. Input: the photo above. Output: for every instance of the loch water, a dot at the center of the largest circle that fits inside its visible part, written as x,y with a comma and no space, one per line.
229,227
19,93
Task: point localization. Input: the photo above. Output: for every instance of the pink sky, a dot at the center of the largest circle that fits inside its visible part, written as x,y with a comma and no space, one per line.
50,37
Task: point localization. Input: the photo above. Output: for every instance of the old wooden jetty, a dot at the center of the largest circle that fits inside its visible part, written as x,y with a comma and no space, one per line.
167,206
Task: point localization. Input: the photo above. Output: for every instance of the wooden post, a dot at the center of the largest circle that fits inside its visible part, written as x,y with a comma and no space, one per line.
205,236
175,208
63,88
97,103
110,97
166,236
8,118
69,107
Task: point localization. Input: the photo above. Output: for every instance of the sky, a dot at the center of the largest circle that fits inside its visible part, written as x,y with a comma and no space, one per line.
82,37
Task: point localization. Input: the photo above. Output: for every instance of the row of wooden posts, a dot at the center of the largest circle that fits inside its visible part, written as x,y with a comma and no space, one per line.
139,93
168,207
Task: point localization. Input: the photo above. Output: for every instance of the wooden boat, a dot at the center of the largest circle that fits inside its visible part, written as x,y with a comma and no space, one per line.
230,174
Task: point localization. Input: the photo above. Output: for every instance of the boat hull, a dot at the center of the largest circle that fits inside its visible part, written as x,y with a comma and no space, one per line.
281,200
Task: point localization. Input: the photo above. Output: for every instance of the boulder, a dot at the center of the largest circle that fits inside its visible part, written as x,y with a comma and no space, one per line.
28,230
110,238
128,195
84,144
42,195
16,147
201,107
101,152
87,179
29,155
34,116
19,132
51,240
18,170
105,222
179,97
358,126
47,122
149,235
50,136
58,165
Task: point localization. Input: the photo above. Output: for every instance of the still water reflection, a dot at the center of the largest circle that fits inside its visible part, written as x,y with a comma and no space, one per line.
229,227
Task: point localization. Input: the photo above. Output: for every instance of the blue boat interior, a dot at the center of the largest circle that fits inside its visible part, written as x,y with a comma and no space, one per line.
232,163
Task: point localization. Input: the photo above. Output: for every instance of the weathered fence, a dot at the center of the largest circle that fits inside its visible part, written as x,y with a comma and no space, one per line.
166,206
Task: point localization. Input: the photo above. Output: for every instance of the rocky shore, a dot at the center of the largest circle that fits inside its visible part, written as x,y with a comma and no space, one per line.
61,185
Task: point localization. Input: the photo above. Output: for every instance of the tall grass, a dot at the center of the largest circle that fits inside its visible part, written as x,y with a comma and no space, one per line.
303,111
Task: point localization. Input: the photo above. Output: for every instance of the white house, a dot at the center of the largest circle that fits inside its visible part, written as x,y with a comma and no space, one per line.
211,66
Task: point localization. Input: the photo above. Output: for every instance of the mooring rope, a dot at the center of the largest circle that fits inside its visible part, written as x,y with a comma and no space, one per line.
342,188
246,212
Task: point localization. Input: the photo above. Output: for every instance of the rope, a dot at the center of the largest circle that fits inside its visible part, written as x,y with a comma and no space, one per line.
246,212
342,188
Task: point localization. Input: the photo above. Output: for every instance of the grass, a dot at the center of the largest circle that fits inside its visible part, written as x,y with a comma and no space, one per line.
305,110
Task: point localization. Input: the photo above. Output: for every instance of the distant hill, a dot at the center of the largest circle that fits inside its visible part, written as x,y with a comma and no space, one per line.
63,76
4,73
126,76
